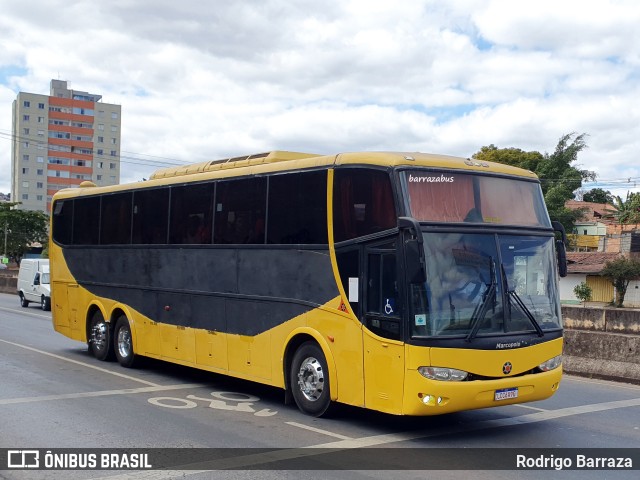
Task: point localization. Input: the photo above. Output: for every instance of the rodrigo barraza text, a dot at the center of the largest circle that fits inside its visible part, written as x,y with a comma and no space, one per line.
586,462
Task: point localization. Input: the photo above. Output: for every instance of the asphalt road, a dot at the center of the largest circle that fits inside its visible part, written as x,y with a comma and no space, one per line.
53,394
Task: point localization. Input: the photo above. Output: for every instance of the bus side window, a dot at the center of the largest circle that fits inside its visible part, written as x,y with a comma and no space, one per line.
362,203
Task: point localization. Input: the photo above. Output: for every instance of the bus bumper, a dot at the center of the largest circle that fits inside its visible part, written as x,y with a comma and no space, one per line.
430,397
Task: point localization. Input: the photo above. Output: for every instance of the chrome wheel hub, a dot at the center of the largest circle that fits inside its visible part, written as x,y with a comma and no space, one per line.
124,342
99,335
311,379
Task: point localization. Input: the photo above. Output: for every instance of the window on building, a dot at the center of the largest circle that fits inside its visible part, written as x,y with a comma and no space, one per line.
41,106
114,153
26,104
40,171
41,133
100,139
100,152
40,119
25,158
39,198
25,184
114,128
113,141
100,164
39,184
101,126
99,177
25,131
40,159
112,166
25,171
114,115
25,118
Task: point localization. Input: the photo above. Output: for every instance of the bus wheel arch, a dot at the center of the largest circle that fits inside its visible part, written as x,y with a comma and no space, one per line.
99,334
310,375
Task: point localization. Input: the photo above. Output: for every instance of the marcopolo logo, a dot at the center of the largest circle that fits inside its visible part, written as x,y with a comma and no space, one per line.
429,179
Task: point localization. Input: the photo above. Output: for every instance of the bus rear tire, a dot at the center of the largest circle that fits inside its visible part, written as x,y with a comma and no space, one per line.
99,338
309,380
123,344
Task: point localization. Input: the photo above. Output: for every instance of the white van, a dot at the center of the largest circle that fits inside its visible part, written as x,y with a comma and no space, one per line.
33,282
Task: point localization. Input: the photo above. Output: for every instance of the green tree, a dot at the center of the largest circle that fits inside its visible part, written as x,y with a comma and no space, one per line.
620,272
629,209
598,195
559,175
583,292
23,228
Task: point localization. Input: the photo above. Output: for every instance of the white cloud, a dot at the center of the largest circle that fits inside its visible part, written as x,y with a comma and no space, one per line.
198,80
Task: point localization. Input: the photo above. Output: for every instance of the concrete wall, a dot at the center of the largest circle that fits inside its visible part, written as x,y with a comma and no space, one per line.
8,284
602,342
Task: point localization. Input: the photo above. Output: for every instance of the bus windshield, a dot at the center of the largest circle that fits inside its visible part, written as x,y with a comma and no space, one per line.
463,197
479,284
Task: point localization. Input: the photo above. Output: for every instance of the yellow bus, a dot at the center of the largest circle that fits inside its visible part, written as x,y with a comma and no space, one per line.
406,283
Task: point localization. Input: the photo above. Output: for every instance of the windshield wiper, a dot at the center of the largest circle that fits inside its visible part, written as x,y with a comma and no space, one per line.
513,296
481,309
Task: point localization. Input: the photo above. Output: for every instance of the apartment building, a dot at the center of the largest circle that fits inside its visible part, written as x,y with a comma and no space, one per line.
61,140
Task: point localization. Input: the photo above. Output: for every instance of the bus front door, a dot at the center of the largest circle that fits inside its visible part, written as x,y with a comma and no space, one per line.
382,335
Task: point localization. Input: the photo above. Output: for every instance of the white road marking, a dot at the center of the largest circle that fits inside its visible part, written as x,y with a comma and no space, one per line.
25,311
521,405
319,430
76,362
101,393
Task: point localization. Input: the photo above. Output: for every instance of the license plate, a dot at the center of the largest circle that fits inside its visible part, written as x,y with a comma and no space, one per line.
506,393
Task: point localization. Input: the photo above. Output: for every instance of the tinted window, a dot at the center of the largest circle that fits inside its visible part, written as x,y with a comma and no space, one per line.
150,216
240,211
115,220
192,213
298,208
62,221
86,223
362,203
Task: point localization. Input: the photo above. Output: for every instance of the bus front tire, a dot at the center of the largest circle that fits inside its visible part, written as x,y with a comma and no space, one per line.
309,379
100,341
123,344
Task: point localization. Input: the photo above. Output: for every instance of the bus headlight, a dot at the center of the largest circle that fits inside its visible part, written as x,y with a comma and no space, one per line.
443,374
551,364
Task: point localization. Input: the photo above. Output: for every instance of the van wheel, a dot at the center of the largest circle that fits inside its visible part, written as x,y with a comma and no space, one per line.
99,338
309,379
24,303
45,303
123,343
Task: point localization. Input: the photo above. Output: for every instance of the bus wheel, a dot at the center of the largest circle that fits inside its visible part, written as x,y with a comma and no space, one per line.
100,343
309,380
24,303
123,344
45,303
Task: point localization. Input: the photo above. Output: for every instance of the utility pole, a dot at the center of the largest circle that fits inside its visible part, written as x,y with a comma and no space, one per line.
6,231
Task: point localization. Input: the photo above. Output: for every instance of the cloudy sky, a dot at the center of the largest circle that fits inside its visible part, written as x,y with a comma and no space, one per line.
205,80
